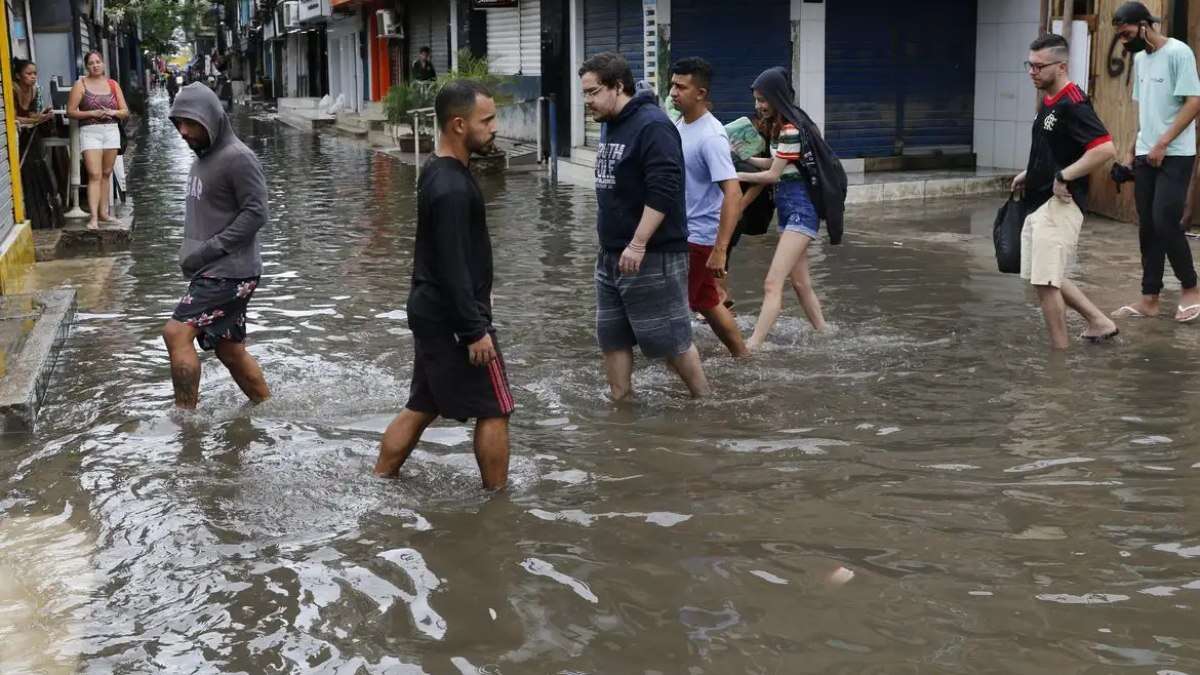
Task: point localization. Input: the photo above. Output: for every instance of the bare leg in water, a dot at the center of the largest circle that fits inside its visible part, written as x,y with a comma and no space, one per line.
180,339
790,263
403,434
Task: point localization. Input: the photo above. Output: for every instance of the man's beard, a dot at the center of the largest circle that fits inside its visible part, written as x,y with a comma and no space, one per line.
486,148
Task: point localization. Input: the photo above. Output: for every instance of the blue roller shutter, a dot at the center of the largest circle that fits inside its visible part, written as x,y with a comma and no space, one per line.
613,26
899,78
739,42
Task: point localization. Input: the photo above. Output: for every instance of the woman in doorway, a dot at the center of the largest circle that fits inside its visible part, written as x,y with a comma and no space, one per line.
798,220
41,196
98,103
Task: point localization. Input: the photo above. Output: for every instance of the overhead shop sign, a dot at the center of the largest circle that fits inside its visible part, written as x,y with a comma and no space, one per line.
492,4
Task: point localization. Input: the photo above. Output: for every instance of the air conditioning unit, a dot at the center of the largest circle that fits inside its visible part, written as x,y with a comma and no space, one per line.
389,27
291,14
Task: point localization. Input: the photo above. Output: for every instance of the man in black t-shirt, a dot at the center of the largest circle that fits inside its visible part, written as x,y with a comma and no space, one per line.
422,68
458,370
1069,142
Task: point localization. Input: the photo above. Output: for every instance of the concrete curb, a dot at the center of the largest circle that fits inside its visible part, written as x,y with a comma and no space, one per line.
24,387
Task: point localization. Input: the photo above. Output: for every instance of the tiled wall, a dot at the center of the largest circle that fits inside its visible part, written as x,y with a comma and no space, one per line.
1005,100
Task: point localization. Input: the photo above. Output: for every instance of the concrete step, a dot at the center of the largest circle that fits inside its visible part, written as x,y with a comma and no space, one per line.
34,326
519,152
352,125
306,121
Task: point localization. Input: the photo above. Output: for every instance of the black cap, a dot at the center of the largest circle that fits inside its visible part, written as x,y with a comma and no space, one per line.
1133,13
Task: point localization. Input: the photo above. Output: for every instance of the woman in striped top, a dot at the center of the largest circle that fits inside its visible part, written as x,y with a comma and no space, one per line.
798,221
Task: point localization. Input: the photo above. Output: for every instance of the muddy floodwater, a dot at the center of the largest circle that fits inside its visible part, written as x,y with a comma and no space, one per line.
996,508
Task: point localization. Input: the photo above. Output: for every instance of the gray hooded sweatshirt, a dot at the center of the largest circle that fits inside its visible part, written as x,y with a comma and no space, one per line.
226,195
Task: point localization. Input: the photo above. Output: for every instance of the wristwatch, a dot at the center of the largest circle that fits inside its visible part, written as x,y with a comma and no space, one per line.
1059,177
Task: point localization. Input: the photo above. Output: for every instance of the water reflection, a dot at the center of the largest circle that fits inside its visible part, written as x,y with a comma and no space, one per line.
994,506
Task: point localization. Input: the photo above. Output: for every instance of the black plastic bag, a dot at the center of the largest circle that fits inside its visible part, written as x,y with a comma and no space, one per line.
1006,235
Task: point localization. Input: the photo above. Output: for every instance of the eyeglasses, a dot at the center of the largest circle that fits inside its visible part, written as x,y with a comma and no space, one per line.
1036,68
593,92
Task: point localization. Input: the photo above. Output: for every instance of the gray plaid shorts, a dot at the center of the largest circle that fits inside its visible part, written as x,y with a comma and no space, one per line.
648,309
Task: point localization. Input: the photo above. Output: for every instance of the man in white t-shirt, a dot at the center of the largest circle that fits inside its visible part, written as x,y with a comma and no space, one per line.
712,193
1166,88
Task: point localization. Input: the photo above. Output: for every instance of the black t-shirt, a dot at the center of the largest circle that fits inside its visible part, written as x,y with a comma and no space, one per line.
1065,128
423,71
451,291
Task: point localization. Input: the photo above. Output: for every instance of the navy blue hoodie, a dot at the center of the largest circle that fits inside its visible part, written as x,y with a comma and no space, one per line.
639,163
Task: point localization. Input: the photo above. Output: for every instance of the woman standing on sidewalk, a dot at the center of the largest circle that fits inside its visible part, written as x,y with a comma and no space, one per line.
98,103
795,166
41,196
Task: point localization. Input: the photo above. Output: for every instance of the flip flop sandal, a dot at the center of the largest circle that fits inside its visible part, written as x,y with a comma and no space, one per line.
1190,313
1101,339
1128,312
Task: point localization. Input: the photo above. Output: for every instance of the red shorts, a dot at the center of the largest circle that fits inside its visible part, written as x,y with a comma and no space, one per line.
702,285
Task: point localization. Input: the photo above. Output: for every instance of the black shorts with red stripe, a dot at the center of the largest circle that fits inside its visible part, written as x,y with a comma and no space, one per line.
445,383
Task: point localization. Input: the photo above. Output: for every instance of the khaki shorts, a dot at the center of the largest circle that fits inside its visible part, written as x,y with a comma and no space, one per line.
1049,242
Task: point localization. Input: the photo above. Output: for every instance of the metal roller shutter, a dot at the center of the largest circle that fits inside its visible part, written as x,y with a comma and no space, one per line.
7,218
504,41
883,94
429,25
514,39
531,37
740,43
613,26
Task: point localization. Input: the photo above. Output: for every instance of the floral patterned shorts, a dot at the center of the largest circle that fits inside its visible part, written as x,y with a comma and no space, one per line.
217,308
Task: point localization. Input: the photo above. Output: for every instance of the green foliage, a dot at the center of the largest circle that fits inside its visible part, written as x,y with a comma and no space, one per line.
160,19
404,97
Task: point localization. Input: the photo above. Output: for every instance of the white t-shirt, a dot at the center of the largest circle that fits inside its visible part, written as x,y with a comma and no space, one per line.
1162,80
707,161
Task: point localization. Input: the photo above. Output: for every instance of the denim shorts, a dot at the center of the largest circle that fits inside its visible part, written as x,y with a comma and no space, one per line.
796,210
648,309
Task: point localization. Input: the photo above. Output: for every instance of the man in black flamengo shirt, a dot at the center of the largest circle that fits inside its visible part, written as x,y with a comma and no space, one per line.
1069,142
458,371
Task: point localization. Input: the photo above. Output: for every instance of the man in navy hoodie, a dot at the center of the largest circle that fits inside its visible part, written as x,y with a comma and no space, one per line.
642,269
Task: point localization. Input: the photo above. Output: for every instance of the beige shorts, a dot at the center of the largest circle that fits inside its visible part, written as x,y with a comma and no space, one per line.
1049,242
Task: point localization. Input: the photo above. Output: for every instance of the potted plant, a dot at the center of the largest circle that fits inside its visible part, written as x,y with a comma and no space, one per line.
403,98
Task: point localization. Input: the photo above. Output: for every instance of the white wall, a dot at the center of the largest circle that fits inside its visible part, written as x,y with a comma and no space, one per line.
1005,99
54,58
808,67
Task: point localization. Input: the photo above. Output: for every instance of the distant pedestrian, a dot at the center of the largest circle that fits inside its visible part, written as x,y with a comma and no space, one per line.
422,68
98,103
809,184
713,196
220,254
458,370
172,87
1167,91
642,267
1069,142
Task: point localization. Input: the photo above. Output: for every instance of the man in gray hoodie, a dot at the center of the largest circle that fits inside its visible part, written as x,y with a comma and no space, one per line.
226,207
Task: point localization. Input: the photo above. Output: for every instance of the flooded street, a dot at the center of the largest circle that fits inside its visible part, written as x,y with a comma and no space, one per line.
1001,509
